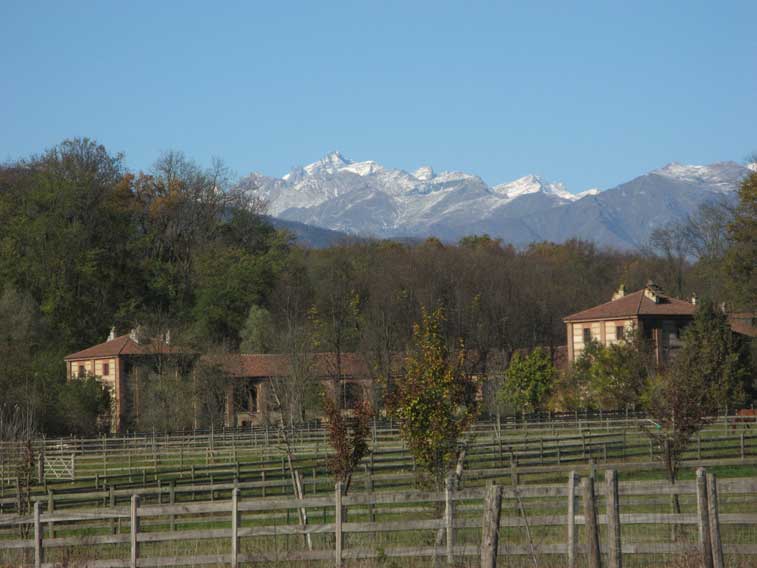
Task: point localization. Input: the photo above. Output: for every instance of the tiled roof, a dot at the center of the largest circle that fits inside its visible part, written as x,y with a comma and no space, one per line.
122,345
258,365
635,304
743,323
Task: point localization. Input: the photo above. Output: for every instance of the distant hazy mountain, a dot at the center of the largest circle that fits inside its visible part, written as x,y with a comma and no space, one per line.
367,199
309,235
626,215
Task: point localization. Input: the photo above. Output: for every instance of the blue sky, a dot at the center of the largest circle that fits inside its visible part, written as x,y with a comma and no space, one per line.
591,94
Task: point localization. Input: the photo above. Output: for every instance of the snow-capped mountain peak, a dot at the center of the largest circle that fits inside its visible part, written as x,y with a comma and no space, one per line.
362,168
329,164
424,173
718,176
532,184
370,199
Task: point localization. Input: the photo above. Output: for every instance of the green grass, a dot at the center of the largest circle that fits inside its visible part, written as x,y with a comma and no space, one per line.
383,543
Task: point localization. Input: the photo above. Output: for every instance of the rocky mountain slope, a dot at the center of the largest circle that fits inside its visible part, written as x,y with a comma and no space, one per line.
367,199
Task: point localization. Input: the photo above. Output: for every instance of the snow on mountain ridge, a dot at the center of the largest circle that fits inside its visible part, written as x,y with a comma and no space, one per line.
330,163
532,184
424,173
718,176
587,193
370,199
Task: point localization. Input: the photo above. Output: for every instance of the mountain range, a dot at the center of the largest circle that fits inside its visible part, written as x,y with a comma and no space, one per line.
366,199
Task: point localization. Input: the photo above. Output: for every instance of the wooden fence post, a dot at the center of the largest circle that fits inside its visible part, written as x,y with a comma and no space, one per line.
712,502
172,501
50,509
449,518
338,523
134,530
703,519
39,552
235,527
112,504
699,445
590,523
623,446
369,489
41,464
614,549
572,534
490,526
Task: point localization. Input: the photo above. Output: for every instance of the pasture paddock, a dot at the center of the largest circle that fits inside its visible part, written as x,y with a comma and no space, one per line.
185,488
573,523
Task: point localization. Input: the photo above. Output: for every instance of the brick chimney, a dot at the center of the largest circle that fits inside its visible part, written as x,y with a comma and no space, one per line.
653,292
619,293
134,334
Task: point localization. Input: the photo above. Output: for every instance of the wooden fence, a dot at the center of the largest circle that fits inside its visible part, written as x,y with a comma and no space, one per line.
153,450
469,522
111,468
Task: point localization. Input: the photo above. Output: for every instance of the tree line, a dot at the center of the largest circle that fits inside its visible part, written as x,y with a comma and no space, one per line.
87,245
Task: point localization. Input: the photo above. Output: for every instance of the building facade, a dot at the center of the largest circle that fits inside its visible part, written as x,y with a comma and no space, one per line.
123,363
250,397
113,362
660,319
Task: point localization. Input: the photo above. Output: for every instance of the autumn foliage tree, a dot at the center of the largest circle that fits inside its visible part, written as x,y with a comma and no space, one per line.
348,437
435,401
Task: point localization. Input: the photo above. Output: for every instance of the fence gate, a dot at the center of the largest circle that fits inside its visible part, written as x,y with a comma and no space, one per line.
59,467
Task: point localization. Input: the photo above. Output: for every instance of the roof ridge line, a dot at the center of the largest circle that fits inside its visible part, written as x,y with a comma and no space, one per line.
124,344
610,302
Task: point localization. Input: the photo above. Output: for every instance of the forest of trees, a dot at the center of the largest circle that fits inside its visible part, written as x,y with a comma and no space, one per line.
86,245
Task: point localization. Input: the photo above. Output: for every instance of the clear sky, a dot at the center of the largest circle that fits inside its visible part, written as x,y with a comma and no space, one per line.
591,94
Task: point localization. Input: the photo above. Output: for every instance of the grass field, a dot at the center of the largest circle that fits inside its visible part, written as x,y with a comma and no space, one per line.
198,469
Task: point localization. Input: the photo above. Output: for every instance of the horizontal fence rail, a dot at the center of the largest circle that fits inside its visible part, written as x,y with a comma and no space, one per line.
238,530
202,465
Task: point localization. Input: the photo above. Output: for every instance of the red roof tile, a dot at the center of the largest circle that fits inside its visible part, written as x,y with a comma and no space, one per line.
743,323
258,365
635,304
122,345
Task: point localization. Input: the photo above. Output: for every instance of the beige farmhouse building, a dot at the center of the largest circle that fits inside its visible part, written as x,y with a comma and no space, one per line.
119,361
248,397
659,317
113,361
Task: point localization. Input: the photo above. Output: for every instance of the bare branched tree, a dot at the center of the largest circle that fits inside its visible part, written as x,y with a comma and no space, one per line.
17,433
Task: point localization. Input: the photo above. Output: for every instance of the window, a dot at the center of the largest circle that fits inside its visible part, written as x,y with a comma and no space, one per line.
587,335
82,371
352,393
620,332
246,398
106,369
